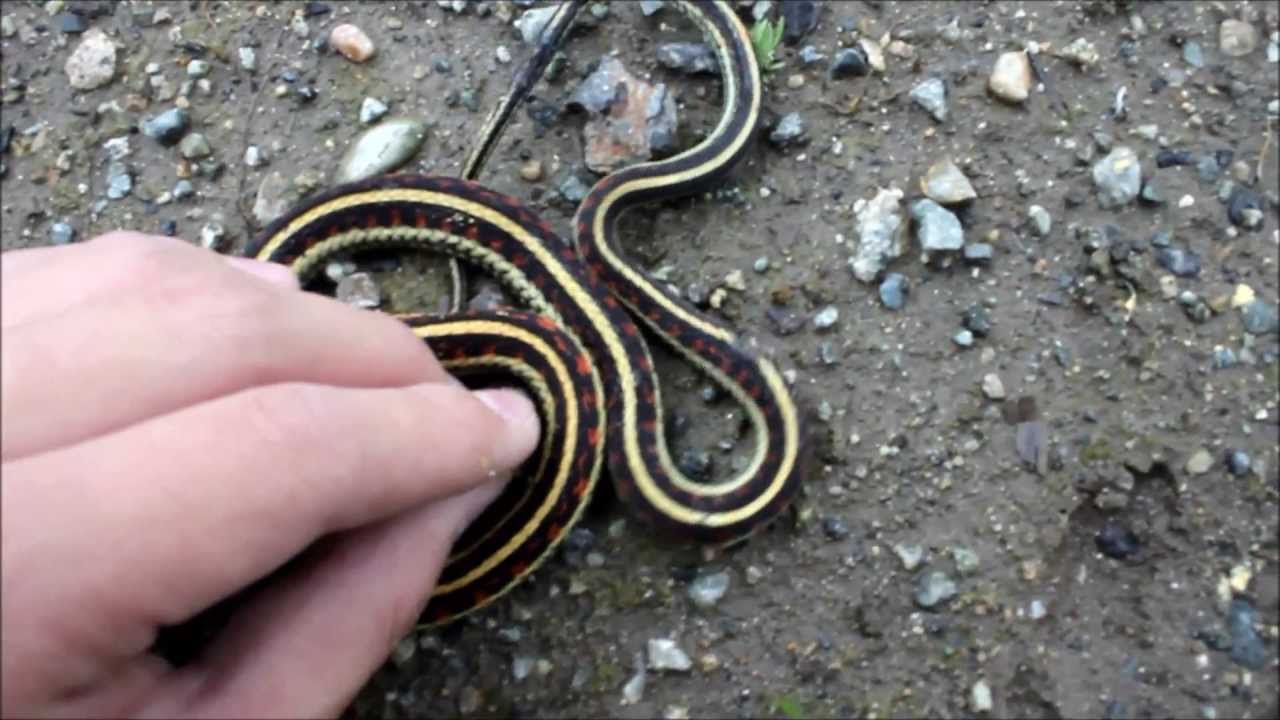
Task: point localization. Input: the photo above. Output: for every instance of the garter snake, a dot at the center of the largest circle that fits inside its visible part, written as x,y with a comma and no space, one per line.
575,347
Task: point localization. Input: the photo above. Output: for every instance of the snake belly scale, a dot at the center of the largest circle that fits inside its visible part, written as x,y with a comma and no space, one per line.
574,345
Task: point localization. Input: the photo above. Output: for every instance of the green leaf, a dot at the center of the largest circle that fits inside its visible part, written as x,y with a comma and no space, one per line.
766,35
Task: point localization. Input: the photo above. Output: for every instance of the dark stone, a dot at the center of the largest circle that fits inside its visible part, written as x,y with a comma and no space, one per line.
1173,158
850,62
1116,541
1182,263
835,528
801,17
1247,649
312,9
1242,198
977,320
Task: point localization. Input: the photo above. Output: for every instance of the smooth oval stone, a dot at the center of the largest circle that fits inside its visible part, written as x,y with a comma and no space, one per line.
382,148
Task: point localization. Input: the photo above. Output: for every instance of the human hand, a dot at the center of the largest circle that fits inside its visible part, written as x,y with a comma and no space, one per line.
176,425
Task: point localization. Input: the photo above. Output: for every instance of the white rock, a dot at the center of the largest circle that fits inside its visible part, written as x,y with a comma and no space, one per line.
93,63
1011,77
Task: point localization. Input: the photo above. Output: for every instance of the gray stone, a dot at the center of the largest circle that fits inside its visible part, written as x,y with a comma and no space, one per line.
789,130
119,181
934,588
1192,54
1238,462
198,68
893,291
809,55
532,22
707,590
194,147
360,290
687,57
826,317
978,253
1041,222
1260,317
937,228
1236,38
1182,263
372,110
666,654
168,127
932,96
1247,648
944,183
1118,177
61,233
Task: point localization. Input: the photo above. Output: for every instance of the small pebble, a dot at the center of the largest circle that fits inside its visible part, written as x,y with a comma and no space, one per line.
707,590
934,588
194,147
910,554
980,697
992,386
372,110
1116,541
1011,77
351,42
963,338
978,253
359,290
183,189
946,184
1199,462
835,528
1238,462
761,264
809,55
789,130
1236,38
211,235
665,654
61,233
93,63
531,171
168,127
893,291
198,68
931,95
826,317
502,54
248,58
1041,222
849,62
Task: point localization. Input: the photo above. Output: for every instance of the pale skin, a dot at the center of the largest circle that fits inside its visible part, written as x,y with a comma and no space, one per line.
177,424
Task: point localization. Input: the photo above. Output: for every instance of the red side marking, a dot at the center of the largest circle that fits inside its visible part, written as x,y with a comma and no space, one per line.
396,217
698,345
742,376
630,329
611,302
589,398
582,228
726,367
754,390
419,219
584,364
520,568
561,346
480,597
371,221
520,260
495,243
546,323
643,363
580,488
648,395
554,530
648,426
473,231
593,436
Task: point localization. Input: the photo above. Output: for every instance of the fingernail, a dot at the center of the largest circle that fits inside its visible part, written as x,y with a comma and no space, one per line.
274,273
522,423
512,405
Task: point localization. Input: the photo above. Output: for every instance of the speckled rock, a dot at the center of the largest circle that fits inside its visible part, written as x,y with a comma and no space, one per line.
93,63
1011,77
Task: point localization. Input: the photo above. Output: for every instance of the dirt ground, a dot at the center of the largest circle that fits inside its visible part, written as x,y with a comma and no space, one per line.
917,470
